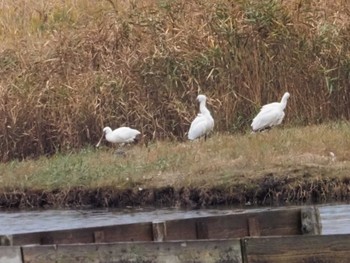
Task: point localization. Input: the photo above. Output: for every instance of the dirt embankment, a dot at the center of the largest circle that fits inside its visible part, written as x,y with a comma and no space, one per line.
270,189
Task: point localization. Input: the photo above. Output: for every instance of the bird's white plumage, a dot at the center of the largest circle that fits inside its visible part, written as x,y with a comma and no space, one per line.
270,115
203,123
121,135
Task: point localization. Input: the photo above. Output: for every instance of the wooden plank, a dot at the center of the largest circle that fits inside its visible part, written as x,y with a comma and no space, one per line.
202,229
155,252
310,221
10,254
265,223
230,226
99,236
253,226
296,249
280,222
159,231
130,232
274,222
181,229
39,254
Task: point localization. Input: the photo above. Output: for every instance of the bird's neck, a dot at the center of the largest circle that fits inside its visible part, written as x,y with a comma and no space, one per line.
108,130
283,103
202,108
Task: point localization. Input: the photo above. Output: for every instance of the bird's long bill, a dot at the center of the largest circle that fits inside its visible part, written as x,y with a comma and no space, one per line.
99,142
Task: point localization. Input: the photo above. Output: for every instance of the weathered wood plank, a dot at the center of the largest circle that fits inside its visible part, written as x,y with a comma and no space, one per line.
99,236
130,232
265,223
155,252
39,254
10,254
278,222
202,230
253,226
296,249
274,222
310,221
159,231
181,229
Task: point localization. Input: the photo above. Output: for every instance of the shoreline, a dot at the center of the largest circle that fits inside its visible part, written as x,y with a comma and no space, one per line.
284,166
271,189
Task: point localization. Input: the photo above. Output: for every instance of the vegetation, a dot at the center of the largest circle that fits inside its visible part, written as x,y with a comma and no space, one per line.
282,165
68,68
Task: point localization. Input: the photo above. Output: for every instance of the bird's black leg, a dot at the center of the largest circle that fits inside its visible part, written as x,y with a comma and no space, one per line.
264,129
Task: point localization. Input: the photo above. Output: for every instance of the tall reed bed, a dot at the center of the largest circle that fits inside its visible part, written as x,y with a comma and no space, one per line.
68,68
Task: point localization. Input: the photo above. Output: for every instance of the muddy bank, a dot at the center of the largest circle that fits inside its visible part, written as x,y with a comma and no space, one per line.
272,189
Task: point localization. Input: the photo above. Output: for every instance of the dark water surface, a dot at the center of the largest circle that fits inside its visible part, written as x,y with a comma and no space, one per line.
335,218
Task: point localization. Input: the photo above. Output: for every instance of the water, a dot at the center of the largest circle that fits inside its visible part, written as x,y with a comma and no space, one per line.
335,218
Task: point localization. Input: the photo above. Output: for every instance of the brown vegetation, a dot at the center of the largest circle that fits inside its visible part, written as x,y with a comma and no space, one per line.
273,189
68,68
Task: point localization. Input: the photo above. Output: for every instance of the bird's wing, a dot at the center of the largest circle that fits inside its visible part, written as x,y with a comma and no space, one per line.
198,127
200,117
270,105
210,123
125,134
280,119
267,117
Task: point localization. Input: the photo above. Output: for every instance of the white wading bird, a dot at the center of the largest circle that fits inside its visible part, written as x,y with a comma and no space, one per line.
121,135
203,123
270,115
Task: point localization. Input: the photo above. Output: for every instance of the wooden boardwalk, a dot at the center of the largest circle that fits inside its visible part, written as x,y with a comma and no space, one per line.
283,235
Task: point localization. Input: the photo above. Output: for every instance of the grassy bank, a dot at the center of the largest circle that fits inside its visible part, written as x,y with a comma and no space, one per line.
68,68
283,165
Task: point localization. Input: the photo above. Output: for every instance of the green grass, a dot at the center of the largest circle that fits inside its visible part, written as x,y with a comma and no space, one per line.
224,160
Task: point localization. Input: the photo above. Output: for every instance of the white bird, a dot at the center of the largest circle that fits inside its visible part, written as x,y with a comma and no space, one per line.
121,135
203,123
270,115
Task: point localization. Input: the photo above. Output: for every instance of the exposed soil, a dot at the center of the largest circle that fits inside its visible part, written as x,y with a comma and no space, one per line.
269,190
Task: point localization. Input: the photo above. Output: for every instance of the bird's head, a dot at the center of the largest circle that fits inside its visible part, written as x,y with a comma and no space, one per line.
285,96
106,130
201,98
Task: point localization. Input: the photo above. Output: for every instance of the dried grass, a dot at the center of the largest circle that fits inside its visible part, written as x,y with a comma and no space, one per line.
68,68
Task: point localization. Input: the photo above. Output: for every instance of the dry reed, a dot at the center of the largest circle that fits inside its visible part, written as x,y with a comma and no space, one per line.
69,68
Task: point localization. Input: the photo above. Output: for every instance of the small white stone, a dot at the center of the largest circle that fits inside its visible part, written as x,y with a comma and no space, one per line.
333,157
